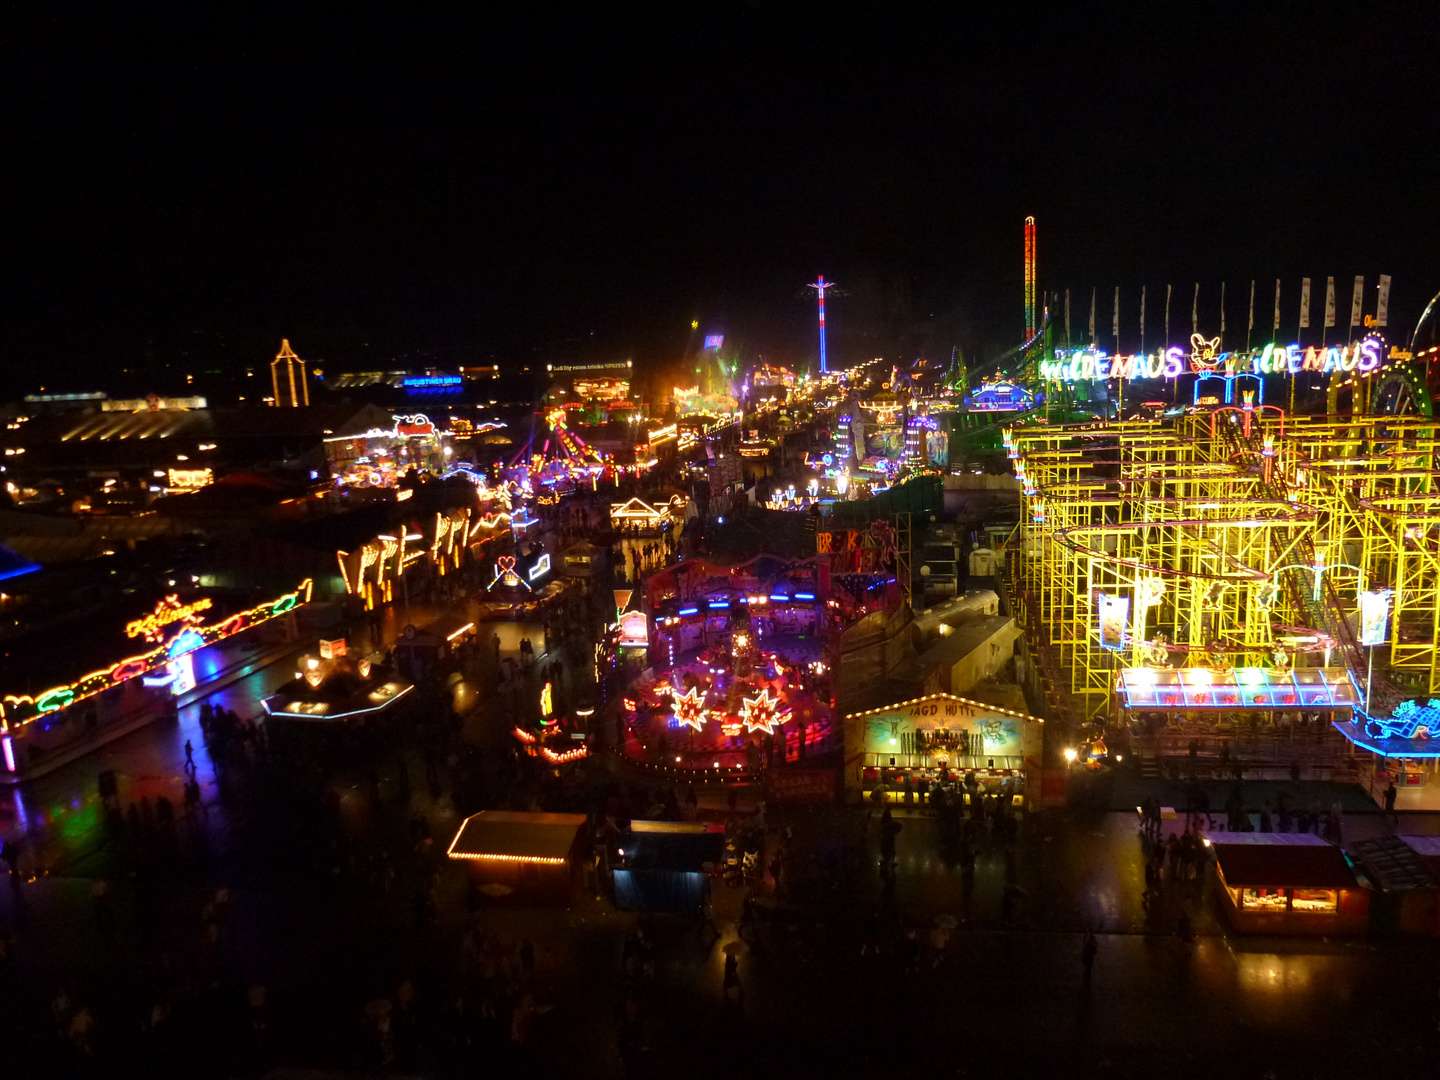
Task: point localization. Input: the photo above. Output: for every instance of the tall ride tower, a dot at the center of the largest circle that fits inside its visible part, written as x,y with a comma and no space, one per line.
1032,324
289,363
820,286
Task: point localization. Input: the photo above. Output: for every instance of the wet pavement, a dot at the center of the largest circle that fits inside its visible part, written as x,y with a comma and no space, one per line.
333,901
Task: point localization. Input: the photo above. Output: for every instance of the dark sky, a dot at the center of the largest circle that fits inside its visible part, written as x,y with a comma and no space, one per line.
397,182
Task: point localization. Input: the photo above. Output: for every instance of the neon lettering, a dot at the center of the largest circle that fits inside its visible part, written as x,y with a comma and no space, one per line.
1173,362
1369,355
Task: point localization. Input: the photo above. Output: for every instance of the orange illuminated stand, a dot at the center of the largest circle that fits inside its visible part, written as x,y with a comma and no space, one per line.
530,858
1288,883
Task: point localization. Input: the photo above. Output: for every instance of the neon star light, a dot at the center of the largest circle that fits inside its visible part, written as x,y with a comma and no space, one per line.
759,713
690,708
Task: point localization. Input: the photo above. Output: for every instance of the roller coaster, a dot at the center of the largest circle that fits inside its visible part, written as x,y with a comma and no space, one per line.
1233,537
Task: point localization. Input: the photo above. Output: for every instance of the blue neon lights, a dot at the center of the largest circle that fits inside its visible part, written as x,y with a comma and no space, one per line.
717,604
185,641
804,596
1408,718
688,611
430,382
779,596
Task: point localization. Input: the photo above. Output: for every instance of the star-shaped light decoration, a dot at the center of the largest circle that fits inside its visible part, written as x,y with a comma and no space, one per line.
690,708
759,713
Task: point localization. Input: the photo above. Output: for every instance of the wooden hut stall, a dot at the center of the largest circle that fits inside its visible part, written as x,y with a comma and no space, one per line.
531,858
1288,883
1407,871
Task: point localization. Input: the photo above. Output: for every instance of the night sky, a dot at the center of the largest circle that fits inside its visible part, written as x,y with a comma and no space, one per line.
399,184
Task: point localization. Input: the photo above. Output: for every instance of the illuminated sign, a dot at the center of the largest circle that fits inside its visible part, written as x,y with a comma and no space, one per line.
25,708
1114,613
1374,616
1093,364
547,700
189,479
713,342
431,382
541,567
152,404
167,611
416,424
634,630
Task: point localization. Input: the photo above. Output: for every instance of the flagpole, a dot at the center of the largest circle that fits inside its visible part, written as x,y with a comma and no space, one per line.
1250,322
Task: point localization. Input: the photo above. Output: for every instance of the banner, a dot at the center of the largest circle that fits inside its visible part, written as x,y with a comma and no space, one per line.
792,785
1329,301
1222,307
1277,303
1374,616
1304,302
1382,307
1167,314
1114,614
1357,301
1115,322
1142,316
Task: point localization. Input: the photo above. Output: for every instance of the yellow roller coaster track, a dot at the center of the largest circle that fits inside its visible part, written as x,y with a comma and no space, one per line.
1237,540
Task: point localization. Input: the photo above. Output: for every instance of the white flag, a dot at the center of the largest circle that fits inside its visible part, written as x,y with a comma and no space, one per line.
1357,300
1382,308
1195,311
1251,324
1067,316
1222,307
1304,302
1277,303
1329,301
1115,322
1092,313
1167,314
1142,313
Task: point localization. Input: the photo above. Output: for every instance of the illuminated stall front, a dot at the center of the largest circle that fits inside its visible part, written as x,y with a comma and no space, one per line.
941,741
175,640
646,519
1201,712
373,571
380,456
331,686
1288,883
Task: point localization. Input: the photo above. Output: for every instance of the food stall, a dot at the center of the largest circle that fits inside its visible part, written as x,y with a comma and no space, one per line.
1406,870
331,686
666,865
1288,883
942,740
537,858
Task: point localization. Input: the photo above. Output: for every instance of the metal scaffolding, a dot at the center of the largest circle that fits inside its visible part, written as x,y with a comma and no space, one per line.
1228,538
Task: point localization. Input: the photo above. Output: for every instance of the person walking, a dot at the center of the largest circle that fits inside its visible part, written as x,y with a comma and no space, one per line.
888,828
1390,794
1087,954
189,755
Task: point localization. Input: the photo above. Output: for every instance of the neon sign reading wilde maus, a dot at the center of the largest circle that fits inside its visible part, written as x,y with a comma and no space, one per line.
1205,360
